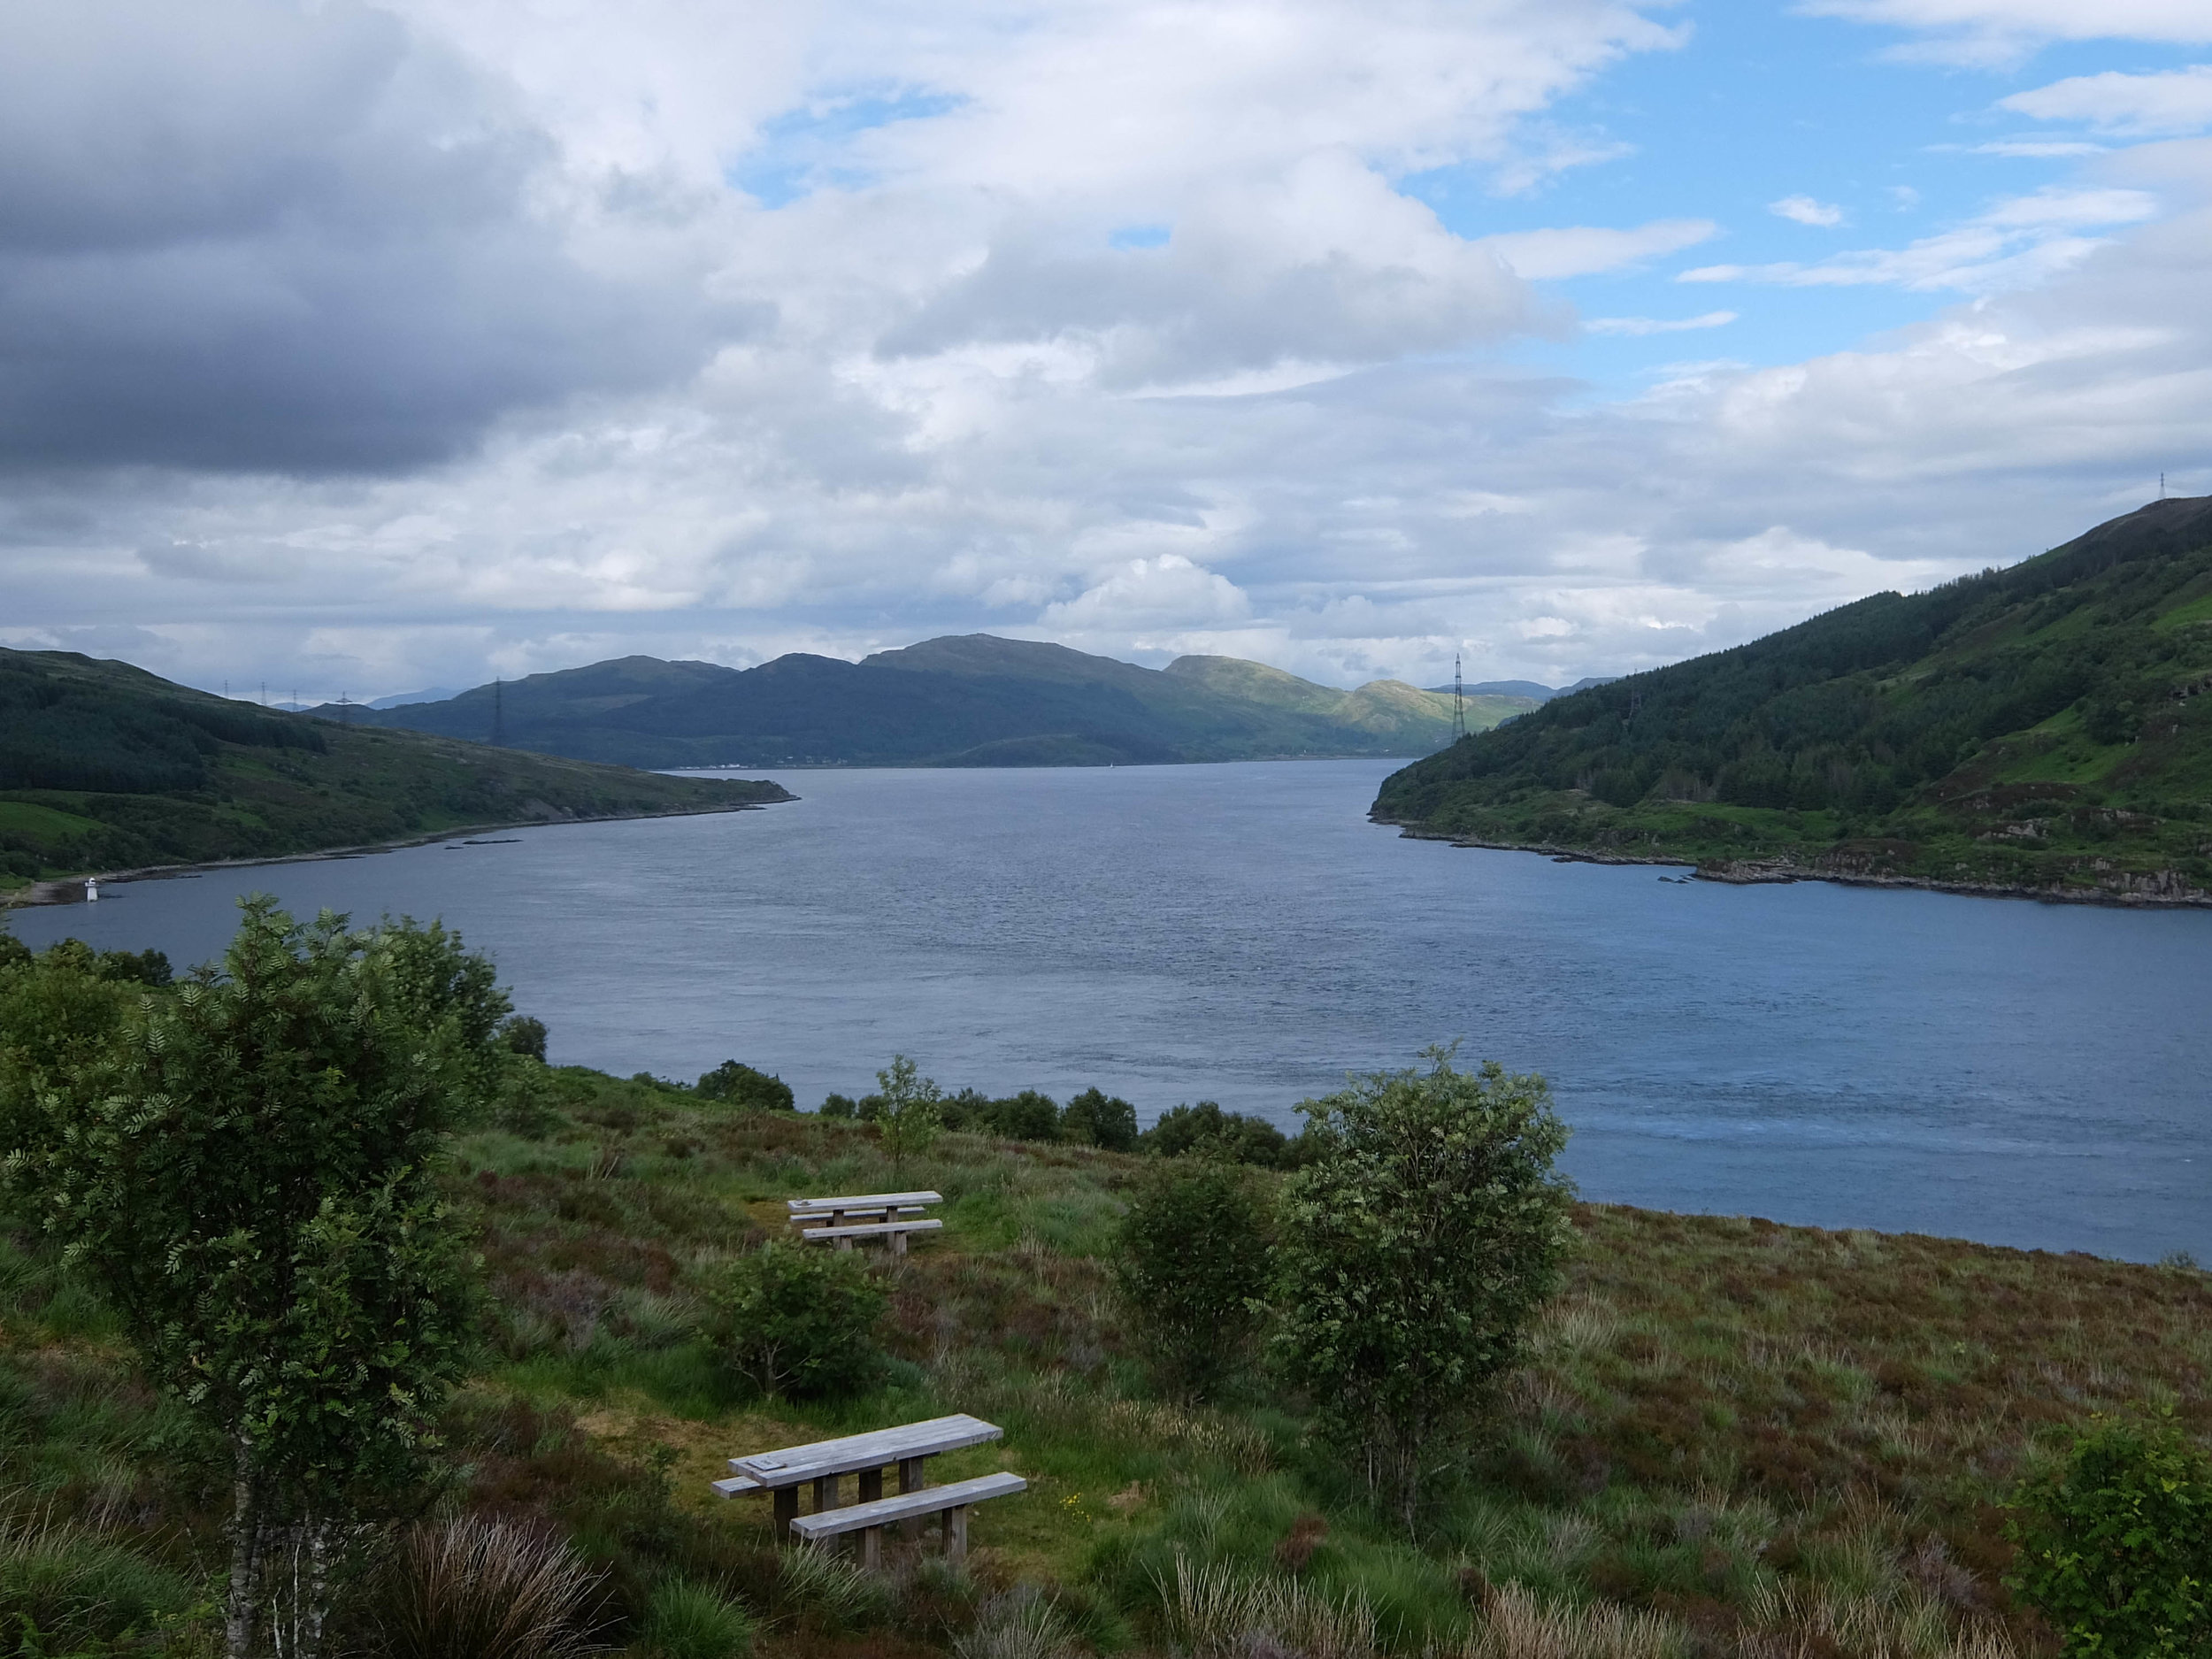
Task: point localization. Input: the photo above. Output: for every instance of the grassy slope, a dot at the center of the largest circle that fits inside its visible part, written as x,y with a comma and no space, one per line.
2040,727
322,785
1767,1440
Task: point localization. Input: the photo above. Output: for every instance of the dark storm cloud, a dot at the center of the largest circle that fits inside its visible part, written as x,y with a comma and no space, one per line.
245,235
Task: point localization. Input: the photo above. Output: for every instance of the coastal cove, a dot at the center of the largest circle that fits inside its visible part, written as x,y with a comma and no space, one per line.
2017,1073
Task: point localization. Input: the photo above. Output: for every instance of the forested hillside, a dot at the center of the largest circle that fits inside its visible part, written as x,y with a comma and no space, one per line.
2040,727
970,700
104,766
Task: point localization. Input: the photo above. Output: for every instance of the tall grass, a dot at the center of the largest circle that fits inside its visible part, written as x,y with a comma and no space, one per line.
481,1589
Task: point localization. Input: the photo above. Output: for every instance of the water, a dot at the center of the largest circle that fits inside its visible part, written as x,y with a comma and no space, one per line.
2014,1072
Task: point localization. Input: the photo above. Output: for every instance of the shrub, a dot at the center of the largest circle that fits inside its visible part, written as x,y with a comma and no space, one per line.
750,1090
1416,1245
2116,1545
684,1620
797,1321
1027,1116
835,1105
1191,1264
1206,1128
1101,1120
523,1035
478,1589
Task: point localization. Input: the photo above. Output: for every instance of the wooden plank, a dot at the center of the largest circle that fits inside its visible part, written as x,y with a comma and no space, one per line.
871,1230
930,1501
861,1200
794,1464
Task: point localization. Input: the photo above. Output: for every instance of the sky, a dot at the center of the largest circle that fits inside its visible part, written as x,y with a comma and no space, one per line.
355,348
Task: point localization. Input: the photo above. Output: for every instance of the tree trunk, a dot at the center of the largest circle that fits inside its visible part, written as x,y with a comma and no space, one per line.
243,1604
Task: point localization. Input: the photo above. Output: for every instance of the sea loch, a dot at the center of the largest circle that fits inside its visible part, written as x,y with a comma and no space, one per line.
1999,1070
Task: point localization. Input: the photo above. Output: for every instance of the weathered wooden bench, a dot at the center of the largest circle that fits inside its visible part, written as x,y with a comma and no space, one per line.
866,1216
869,1520
910,1446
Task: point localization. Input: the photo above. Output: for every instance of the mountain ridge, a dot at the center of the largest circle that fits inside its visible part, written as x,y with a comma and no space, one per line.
2038,729
957,700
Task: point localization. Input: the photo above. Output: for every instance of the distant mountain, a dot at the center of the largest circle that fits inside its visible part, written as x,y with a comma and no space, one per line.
436,693
967,700
2043,729
1529,688
104,766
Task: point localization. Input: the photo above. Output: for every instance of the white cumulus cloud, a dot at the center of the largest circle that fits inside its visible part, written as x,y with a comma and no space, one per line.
1806,211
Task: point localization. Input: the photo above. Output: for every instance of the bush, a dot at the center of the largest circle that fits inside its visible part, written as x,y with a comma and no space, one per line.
1191,1264
749,1090
835,1105
1206,1128
523,1035
684,1620
1027,1116
1100,1120
1417,1243
797,1321
2116,1545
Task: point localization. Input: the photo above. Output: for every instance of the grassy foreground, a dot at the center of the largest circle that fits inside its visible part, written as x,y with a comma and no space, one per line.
1733,1437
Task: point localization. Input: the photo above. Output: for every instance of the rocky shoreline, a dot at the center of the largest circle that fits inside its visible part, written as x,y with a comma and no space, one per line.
70,889
2162,889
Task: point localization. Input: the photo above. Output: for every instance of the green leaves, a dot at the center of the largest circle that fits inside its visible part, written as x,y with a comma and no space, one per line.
1415,1246
1191,1264
797,1320
2116,1545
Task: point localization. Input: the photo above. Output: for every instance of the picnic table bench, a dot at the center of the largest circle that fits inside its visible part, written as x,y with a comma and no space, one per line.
824,1462
865,1216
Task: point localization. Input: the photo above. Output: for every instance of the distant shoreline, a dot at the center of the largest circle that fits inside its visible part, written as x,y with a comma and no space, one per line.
1781,873
70,889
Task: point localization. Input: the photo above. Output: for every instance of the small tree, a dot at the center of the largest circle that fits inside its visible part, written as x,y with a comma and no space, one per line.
748,1089
1191,1264
1100,1119
251,1181
2115,1544
797,1320
1416,1245
907,1113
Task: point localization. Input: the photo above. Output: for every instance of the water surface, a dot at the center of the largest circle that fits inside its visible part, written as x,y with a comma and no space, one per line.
2016,1072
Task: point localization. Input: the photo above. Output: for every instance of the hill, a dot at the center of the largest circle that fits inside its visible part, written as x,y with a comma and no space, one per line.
2038,729
967,700
104,766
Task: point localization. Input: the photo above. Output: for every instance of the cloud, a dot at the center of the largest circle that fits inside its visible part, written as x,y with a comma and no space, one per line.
1640,326
1148,592
1995,32
2179,101
2014,244
1582,250
1806,211
251,236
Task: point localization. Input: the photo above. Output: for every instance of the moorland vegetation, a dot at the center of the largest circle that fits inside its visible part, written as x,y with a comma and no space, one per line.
468,1377
2042,728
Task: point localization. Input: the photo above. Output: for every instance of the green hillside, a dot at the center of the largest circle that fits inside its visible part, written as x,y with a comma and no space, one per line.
2037,728
967,700
103,766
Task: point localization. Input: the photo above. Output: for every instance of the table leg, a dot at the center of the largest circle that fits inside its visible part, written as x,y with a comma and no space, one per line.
913,1476
956,1533
898,1244
871,1484
786,1510
825,1493
872,1547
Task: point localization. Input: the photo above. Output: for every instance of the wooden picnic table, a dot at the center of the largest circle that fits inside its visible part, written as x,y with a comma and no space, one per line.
910,1446
839,1221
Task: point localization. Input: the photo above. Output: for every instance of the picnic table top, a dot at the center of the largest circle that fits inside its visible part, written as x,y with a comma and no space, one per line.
863,1201
790,1465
